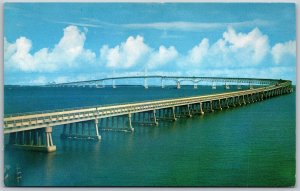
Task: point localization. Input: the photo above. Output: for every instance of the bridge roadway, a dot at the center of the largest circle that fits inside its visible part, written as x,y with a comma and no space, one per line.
34,131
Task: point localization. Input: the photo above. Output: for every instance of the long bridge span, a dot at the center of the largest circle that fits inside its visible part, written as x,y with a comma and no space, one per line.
33,131
163,79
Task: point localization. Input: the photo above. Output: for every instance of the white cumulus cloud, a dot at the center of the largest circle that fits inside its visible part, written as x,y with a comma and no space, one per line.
233,49
125,55
162,56
196,54
68,52
253,46
280,50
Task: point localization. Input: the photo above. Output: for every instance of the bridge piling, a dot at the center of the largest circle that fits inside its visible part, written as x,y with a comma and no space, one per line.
129,123
35,140
220,106
69,134
178,84
154,117
201,109
188,111
98,137
195,85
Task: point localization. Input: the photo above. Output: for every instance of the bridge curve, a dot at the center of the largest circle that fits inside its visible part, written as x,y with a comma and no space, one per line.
33,131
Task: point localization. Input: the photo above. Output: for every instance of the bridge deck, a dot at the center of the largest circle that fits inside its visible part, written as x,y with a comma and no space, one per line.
54,118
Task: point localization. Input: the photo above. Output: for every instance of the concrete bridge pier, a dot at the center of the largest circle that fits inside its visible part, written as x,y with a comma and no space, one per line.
252,98
213,86
98,137
227,87
257,97
211,106
189,111
154,118
114,84
201,108
220,106
244,102
205,106
162,83
226,103
178,84
239,100
195,85
35,140
129,123
145,83
249,98
173,114
261,96
232,102
50,147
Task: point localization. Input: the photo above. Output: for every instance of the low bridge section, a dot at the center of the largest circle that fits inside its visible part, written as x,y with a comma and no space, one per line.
34,131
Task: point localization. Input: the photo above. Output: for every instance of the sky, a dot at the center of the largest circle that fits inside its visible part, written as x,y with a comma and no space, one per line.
63,42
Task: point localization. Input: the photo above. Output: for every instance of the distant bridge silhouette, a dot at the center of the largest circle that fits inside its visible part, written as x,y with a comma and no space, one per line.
177,79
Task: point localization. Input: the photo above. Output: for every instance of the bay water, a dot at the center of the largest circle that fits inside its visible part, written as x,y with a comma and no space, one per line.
251,145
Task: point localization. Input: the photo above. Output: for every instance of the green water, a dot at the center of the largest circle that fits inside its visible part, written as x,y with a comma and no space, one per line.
252,145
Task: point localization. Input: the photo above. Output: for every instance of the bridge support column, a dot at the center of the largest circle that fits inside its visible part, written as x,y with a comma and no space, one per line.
233,102
227,104
195,85
220,106
188,111
98,137
178,85
154,117
49,142
211,106
145,83
239,100
129,123
248,98
33,140
201,109
261,96
173,114
162,83
113,84
244,102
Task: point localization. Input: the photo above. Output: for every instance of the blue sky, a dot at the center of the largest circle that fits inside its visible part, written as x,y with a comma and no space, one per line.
63,42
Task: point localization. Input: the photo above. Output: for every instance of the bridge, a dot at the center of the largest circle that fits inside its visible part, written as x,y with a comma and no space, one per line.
33,131
163,79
